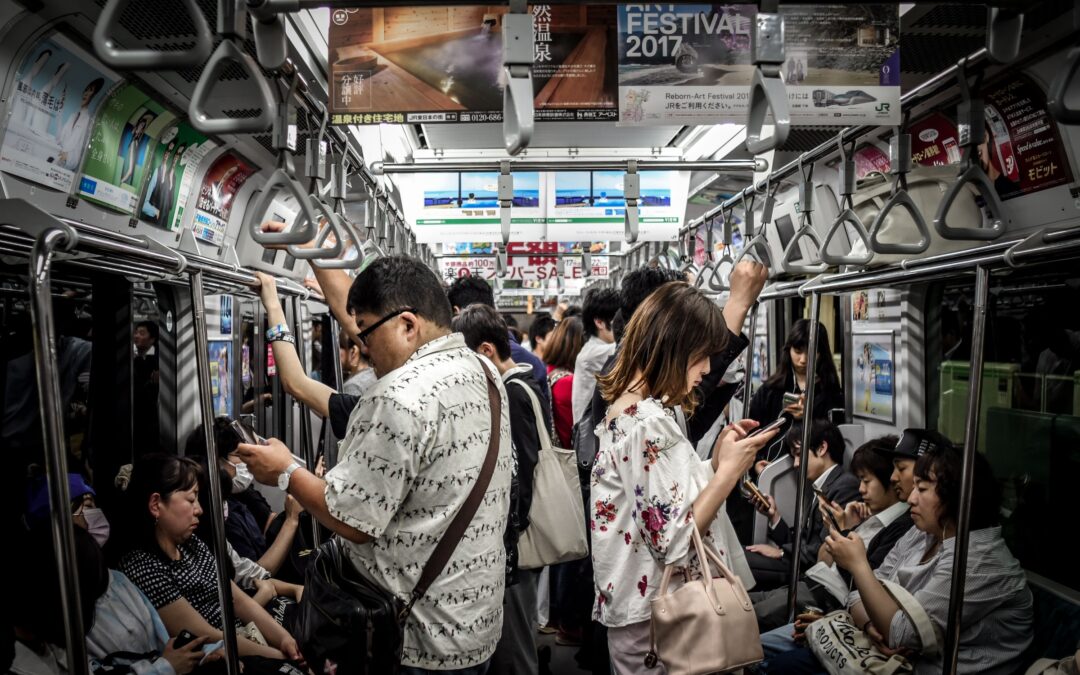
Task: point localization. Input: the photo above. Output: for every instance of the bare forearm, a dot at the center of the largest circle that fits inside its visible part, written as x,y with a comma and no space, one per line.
335,286
711,499
878,604
276,553
314,395
310,491
250,611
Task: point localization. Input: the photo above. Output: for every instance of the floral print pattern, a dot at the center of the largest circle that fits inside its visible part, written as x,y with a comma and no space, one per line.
644,482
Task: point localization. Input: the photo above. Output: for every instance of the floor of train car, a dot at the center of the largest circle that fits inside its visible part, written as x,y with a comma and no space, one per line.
562,657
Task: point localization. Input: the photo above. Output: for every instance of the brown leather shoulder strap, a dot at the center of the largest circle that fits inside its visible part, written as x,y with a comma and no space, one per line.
460,523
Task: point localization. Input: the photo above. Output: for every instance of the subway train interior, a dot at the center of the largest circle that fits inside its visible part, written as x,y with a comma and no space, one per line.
906,176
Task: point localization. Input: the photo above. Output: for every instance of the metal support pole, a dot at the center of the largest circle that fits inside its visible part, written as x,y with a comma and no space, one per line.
258,367
217,512
307,447
330,450
971,437
748,369
807,423
52,426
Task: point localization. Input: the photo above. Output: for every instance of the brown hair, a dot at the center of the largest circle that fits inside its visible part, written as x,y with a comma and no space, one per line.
564,343
675,326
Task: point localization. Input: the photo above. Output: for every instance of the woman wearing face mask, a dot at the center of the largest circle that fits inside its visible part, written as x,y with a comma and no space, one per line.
252,528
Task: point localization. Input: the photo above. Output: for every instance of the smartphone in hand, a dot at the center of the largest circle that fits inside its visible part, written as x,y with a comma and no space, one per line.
775,424
183,638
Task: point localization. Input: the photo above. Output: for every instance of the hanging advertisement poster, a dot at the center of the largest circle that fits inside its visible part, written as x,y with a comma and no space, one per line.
444,64
874,376
121,149
691,64
465,207
221,376
172,171
52,107
590,205
222,181
1023,151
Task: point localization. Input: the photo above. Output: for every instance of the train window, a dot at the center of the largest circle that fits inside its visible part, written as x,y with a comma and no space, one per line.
1029,424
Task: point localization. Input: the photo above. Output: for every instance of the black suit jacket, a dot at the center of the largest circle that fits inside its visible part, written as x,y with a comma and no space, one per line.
840,487
887,538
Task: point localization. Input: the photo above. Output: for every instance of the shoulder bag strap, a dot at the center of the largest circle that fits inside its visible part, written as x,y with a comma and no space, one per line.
928,634
538,415
460,523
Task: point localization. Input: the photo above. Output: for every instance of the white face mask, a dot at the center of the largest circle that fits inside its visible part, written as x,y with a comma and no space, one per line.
96,524
243,478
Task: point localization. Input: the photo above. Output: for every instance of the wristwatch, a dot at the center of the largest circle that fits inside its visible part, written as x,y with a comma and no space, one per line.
283,478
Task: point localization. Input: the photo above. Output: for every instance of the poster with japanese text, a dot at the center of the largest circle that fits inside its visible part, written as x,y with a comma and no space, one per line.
177,156
122,146
874,377
691,64
1023,150
56,96
220,184
444,64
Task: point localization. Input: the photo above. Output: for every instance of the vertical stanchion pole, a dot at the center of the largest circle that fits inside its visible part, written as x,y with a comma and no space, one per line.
971,437
52,427
807,423
748,369
217,512
307,447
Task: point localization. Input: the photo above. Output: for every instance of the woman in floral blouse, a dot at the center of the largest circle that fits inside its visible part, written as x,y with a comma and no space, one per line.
649,487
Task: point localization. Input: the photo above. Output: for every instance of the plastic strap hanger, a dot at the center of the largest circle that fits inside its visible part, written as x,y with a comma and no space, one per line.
899,166
150,59
806,227
847,216
767,91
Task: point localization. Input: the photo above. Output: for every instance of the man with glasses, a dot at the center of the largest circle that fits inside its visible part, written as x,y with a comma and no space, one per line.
415,443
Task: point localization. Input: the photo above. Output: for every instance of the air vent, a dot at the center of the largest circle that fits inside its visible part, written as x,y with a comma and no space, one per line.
802,139
934,53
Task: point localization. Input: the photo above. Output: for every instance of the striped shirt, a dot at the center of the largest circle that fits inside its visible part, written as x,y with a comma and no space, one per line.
415,445
997,618
125,621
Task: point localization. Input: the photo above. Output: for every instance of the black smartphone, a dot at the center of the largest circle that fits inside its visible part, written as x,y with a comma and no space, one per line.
828,512
246,433
775,424
183,638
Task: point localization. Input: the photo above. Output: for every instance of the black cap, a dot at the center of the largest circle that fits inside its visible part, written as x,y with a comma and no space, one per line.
914,443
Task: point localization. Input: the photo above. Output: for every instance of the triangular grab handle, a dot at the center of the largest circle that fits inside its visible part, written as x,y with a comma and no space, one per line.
974,175
847,217
793,248
150,59
354,238
266,105
281,180
902,199
317,251
767,93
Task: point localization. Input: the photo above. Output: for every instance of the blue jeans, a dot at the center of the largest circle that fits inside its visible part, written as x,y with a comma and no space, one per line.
474,670
778,641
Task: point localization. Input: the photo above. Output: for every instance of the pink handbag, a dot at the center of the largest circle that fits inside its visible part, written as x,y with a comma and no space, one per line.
707,625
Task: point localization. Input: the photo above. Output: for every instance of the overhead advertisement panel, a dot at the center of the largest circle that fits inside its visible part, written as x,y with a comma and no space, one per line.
444,64
172,174
553,207
121,149
56,97
219,187
691,64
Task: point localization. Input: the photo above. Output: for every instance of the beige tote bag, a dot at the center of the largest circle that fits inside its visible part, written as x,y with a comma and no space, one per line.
707,625
556,532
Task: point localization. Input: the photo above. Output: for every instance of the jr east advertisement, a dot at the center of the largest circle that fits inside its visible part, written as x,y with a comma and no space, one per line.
222,181
52,107
121,149
444,64
691,64
172,170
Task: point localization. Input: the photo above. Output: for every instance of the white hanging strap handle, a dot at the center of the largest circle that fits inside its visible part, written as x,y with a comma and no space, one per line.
767,91
899,165
506,200
518,111
806,228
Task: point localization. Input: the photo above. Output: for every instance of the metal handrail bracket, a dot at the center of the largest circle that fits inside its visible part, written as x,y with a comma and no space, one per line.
767,91
518,111
150,59
899,166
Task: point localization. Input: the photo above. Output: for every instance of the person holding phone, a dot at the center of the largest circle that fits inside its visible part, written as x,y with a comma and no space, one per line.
826,472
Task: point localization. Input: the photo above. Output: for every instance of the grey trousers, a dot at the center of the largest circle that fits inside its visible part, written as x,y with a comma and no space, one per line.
516,652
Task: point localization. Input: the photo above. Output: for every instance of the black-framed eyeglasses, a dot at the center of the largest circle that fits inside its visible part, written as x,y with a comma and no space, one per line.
366,333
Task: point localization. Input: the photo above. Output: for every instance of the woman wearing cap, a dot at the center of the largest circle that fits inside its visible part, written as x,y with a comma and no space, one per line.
997,612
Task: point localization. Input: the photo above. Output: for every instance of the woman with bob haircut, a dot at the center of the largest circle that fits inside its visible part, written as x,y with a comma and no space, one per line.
649,487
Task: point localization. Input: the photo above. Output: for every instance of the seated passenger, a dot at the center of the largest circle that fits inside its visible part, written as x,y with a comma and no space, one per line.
997,614
771,563
645,459
881,518
251,527
485,333
175,569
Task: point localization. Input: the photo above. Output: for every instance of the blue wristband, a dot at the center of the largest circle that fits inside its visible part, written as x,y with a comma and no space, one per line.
278,332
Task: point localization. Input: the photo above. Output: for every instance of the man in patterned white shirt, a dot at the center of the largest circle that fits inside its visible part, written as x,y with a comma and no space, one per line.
415,444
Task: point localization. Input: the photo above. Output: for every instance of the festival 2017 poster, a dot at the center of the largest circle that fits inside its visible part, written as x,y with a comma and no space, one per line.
180,151
121,148
691,64
52,107
222,181
1023,151
444,64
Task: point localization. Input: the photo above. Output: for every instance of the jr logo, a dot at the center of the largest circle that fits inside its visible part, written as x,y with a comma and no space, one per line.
882,107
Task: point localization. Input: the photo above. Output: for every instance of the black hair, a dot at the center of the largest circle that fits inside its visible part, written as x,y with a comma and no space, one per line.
572,311
150,326
98,84
470,290
540,327
821,431
799,338
389,284
946,464
600,303
479,324
156,473
873,457
225,439
638,285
